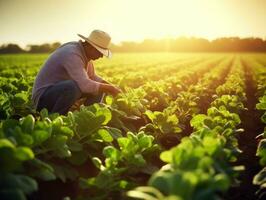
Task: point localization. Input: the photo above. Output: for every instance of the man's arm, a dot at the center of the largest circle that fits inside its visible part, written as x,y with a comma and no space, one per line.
92,75
105,86
105,82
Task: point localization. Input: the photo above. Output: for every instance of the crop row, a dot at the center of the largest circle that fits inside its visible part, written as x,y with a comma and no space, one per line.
259,72
39,142
115,147
200,166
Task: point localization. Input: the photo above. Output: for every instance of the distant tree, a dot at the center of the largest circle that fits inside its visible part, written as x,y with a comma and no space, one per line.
180,44
43,48
11,48
224,44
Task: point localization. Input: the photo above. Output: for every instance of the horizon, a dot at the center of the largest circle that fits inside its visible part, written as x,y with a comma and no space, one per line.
138,42
132,21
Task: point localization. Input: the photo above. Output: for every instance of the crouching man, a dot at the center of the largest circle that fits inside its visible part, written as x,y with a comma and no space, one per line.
68,75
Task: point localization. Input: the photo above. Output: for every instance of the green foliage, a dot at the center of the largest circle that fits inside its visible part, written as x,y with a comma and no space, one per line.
158,99
162,123
120,164
260,178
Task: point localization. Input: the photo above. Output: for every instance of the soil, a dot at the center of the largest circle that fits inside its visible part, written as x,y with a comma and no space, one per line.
252,126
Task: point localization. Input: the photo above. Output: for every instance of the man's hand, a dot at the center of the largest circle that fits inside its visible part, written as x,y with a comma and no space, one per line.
114,90
110,89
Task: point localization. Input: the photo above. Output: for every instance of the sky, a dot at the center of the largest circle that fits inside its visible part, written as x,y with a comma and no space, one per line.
39,21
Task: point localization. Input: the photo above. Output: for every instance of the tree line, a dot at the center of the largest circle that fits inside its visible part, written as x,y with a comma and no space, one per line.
181,44
34,48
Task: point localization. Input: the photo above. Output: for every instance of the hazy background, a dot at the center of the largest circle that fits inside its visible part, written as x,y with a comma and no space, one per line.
37,21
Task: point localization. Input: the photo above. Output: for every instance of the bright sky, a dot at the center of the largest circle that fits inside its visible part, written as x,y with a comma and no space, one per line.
38,21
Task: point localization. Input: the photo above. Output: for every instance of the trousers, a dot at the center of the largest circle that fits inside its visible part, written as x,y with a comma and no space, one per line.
61,96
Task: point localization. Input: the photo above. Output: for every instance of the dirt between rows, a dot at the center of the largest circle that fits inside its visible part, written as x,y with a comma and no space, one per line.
252,126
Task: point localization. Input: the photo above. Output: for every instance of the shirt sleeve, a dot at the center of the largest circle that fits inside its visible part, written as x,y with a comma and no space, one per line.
91,72
75,67
98,78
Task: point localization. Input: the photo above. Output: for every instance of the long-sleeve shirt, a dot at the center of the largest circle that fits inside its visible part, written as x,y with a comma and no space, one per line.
68,62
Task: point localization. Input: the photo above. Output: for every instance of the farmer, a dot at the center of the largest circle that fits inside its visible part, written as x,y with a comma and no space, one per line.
68,74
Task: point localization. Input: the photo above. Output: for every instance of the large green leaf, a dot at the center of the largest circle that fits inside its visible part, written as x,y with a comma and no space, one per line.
197,121
5,143
40,136
24,153
19,99
27,124
111,152
105,135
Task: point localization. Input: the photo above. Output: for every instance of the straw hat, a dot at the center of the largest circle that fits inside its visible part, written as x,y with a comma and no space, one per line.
100,40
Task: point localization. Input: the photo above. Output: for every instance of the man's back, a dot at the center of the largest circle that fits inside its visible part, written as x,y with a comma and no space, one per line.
54,69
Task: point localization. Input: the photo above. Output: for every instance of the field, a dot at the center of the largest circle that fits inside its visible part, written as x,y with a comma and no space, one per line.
188,126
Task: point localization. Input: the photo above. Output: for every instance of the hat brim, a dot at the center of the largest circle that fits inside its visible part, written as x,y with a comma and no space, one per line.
106,52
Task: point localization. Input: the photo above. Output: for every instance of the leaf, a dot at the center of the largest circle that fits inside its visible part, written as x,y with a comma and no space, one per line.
66,131
147,193
57,123
115,133
65,172
87,122
74,145
111,152
9,125
211,144
263,118
57,141
102,111
97,162
63,152
5,143
27,124
261,106
166,156
145,142
261,151
105,135
39,136
41,170
138,160
109,100
44,113
150,115
123,142
57,144
197,121
19,99
24,153
87,183
222,182
260,178
161,181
